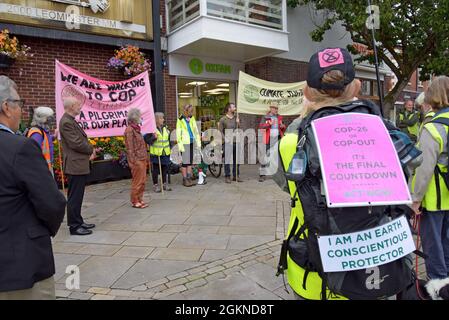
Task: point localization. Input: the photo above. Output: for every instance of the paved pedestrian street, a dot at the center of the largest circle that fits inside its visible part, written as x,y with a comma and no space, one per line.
217,241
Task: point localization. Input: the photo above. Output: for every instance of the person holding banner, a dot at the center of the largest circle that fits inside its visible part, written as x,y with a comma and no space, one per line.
160,154
430,185
273,129
137,155
188,138
76,165
40,132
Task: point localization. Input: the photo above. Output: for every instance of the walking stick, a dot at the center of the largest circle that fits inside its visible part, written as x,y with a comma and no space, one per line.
160,172
60,165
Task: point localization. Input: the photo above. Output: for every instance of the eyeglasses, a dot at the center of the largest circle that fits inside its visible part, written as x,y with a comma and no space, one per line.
20,103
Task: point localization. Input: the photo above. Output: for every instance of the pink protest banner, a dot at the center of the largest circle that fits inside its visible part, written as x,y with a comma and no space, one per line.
359,163
105,104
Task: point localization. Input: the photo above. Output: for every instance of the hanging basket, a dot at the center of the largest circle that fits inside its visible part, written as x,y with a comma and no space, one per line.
6,61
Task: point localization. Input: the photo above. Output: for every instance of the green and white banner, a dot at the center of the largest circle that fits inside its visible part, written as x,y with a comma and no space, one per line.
255,96
366,249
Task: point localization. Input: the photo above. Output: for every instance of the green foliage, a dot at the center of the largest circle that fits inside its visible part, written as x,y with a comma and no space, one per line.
412,33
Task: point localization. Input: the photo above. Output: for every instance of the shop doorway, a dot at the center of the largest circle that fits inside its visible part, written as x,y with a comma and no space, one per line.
208,98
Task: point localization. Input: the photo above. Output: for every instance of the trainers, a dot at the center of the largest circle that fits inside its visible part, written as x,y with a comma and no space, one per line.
237,179
261,179
157,188
167,187
228,179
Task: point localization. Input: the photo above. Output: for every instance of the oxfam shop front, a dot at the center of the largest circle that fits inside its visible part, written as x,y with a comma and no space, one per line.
208,84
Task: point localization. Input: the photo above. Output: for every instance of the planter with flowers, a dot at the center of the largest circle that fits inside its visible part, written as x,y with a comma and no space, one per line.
11,50
105,166
130,61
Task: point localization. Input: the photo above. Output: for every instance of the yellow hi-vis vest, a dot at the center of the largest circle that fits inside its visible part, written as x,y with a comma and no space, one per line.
434,201
162,144
182,133
414,130
306,284
45,146
427,117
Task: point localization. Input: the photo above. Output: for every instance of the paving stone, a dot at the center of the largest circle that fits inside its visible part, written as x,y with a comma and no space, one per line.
156,283
120,293
245,242
215,269
196,283
134,252
239,230
231,264
176,282
140,288
176,254
96,290
215,276
104,271
167,219
166,293
283,294
209,220
259,272
213,255
253,221
102,237
200,241
196,276
232,270
261,209
197,269
177,275
234,287
249,263
63,293
175,228
204,209
145,271
102,297
204,229
99,249
142,295
80,296
150,239
62,247
62,261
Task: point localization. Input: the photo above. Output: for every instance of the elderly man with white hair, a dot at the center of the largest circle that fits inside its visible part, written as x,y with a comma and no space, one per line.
77,152
40,132
31,208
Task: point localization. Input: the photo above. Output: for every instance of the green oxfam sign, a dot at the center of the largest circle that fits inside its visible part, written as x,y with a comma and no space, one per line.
251,93
197,67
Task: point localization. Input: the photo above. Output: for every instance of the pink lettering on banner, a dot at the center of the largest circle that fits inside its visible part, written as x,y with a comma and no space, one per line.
330,57
359,163
105,104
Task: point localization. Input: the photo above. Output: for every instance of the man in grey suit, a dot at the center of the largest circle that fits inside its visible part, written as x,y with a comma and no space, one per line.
77,152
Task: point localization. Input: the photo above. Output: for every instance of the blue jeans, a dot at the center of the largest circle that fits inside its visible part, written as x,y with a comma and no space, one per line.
230,159
435,242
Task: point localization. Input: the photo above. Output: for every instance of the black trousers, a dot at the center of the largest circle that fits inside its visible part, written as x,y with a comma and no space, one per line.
155,173
75,200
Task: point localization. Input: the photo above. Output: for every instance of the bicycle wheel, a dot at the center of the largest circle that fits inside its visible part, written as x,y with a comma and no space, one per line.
215,169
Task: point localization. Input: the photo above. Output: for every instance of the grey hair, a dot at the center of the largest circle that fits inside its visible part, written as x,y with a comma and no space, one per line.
420,100
68,102
41,115
134,115
159,115
6,85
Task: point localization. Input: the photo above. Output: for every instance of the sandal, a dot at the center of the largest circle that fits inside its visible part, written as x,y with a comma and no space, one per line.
139,205
143,205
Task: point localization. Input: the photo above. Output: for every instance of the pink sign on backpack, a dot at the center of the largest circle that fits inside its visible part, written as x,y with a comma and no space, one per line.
359,163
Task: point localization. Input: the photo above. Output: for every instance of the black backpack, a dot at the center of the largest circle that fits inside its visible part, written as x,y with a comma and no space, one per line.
302,246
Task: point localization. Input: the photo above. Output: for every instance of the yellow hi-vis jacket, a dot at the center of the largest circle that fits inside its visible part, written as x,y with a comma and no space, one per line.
162,145
427,117
306,284
437,195
182,133
414,129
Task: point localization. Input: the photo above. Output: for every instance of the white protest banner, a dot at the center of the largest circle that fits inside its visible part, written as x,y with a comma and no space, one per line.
359,163
255,96
368,248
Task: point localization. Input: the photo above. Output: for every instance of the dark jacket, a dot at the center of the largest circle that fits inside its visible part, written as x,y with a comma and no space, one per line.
76,148
31,210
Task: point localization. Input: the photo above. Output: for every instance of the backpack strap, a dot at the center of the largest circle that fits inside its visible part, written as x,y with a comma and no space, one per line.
282,265
438,172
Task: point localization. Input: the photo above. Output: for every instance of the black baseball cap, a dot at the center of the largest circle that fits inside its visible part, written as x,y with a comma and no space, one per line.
326,60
